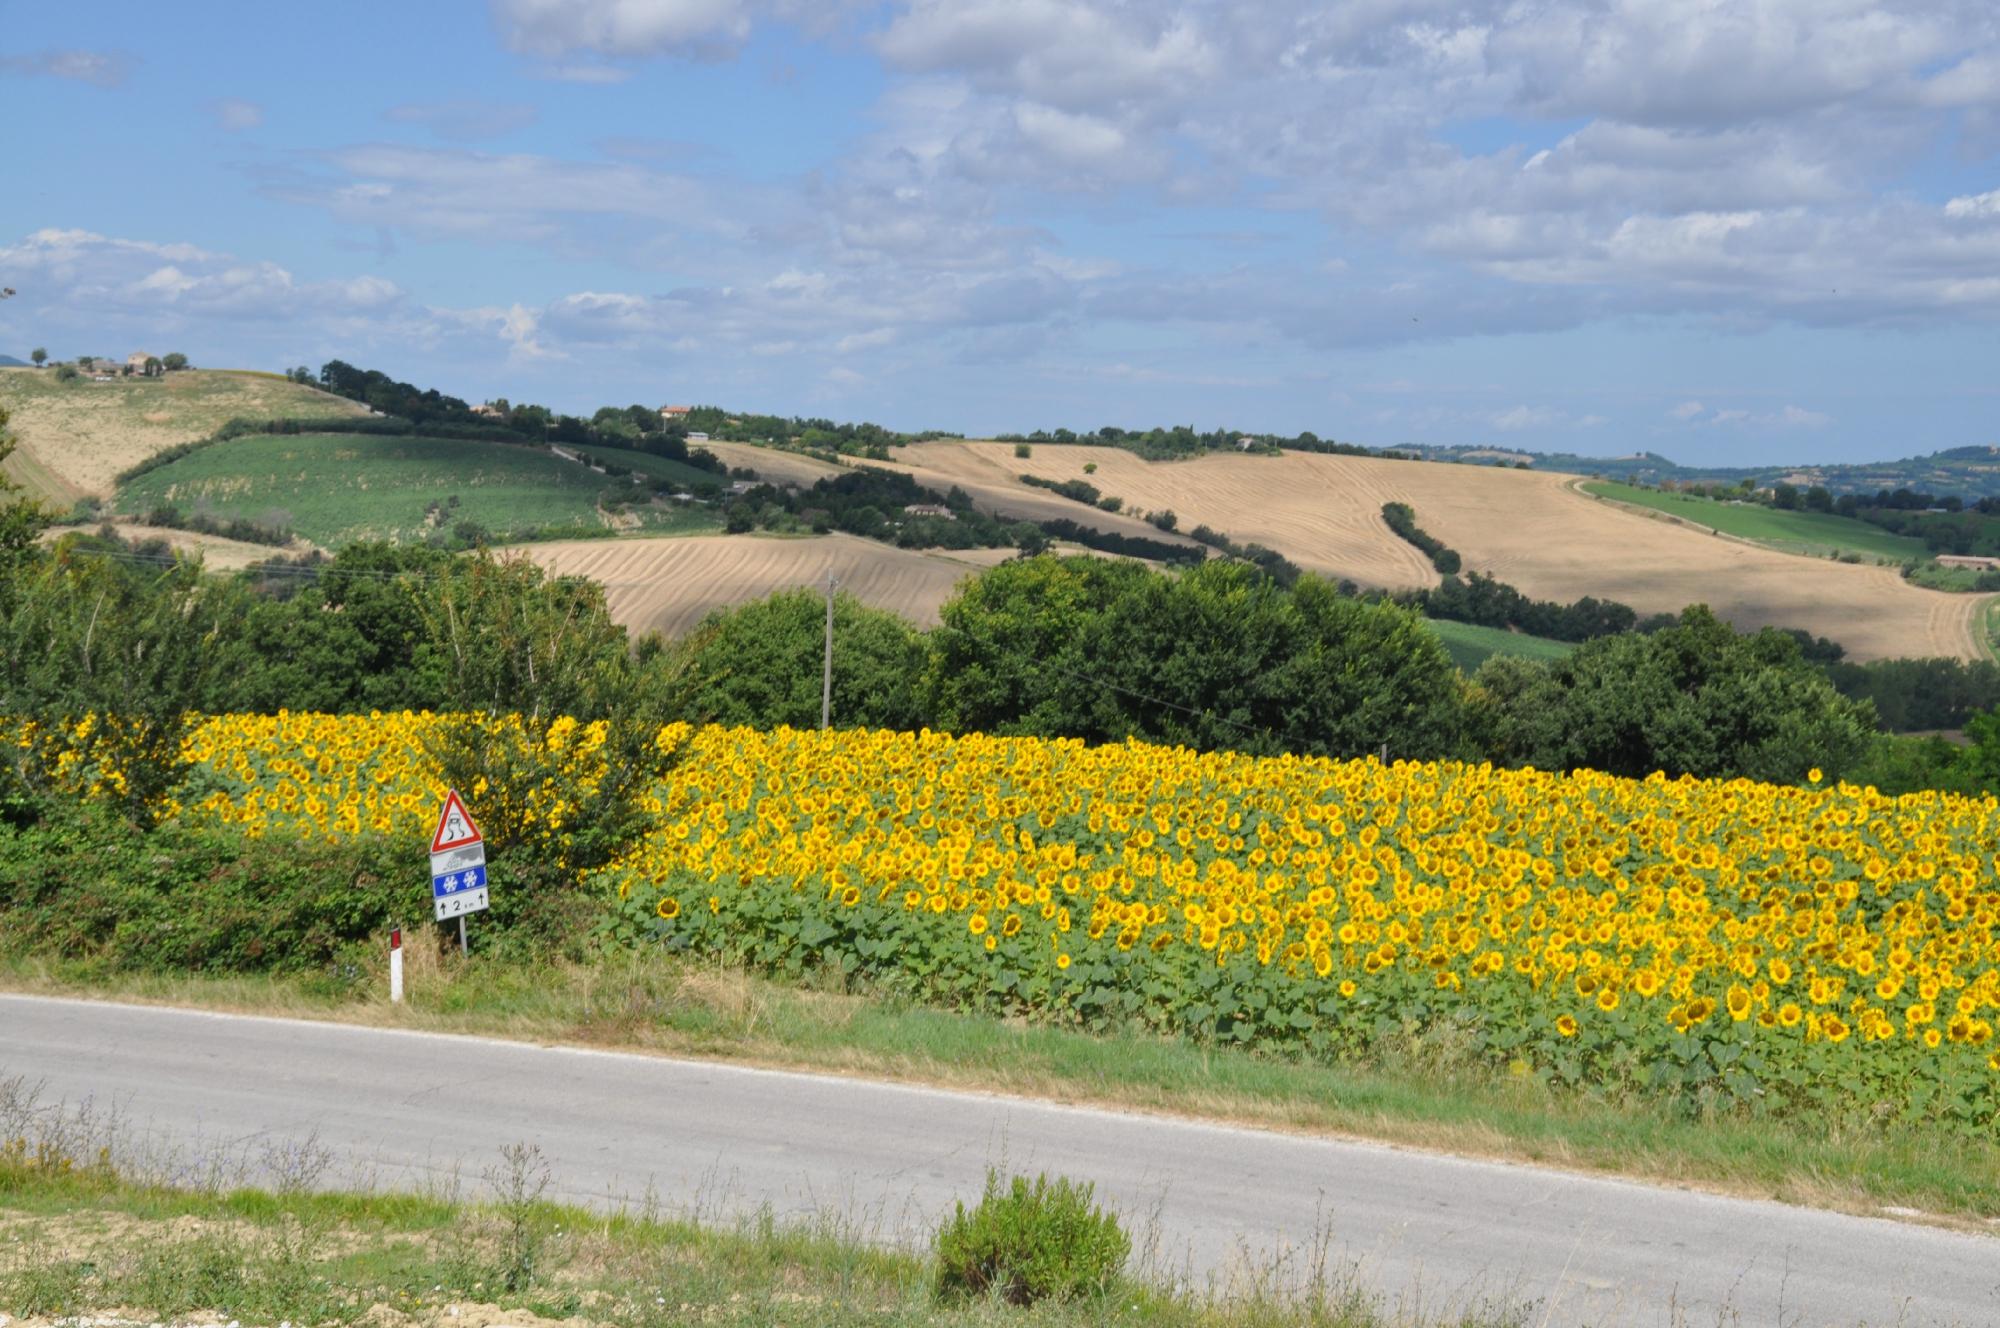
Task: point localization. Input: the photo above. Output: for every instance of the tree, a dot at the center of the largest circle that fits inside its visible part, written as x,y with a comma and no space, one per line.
760,664
154,366
1222,656
39,355
1695,698
527,664
109,663
174,361
67,373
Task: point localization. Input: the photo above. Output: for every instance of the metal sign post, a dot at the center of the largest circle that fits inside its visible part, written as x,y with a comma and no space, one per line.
458,865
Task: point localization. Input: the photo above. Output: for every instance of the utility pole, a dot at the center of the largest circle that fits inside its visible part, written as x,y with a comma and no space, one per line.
826,673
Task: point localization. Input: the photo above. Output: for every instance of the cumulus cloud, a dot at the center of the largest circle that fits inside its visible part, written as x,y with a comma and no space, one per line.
102,69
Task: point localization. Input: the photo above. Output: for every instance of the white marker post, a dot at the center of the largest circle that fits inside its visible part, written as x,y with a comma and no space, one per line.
396,965
458,865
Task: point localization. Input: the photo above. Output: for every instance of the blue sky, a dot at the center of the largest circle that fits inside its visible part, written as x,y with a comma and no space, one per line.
1725,230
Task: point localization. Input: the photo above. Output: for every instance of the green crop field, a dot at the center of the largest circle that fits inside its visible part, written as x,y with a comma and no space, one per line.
334,489
1813,533
1471,646
76,437
653,467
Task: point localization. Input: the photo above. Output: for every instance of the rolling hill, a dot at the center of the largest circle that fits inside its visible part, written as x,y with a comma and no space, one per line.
669,585
74,438
1528,528
333,489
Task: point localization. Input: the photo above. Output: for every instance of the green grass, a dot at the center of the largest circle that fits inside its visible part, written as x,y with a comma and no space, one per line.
82,1237
1817,534
1470,645
75,437
337,488
653,467
1419,1094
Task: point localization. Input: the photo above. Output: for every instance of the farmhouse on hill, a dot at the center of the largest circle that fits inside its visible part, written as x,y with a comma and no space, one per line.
487,410
1967,560
671,413
930,509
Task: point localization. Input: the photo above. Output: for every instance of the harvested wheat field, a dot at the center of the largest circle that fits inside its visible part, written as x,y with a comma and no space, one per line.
217,554
670,584
75,437
771,464
1533,530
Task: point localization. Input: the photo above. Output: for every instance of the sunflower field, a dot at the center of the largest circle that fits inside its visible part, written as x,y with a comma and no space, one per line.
1718,945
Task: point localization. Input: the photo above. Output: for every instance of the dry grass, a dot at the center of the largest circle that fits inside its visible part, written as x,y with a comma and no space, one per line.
217,553
670,584
76,437
778,467
1530,529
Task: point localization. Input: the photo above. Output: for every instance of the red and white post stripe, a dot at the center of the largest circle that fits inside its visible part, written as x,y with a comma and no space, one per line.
396,964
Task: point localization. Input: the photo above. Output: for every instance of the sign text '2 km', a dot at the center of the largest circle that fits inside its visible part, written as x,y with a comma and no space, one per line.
458,862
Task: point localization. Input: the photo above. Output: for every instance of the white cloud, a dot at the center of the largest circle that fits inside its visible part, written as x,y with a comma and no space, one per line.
1525,417
103,69
1797,417
1974,206
552,28
236,114
1687,410
583,73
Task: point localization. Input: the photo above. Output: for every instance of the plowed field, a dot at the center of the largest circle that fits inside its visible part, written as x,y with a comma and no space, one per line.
1533,530
669,585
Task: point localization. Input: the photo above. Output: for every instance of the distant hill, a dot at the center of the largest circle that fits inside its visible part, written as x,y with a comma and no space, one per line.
9,362
1967,472
1535,531
75,437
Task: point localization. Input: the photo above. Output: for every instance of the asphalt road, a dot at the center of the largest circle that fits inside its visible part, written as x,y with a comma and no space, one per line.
717,1141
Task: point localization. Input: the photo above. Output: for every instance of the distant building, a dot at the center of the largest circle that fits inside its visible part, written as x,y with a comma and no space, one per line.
136,361
931,509
1967,560
1245,443
742,486
487,410
675,412
697,437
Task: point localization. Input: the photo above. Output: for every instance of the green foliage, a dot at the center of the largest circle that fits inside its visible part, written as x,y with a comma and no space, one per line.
1895,765
1694,699
1402,519
523,658
1030,1241
761,664
1023,450
108,663
1219,656
1917,695
87,885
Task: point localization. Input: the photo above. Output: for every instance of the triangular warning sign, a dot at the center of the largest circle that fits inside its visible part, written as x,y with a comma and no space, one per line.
455,827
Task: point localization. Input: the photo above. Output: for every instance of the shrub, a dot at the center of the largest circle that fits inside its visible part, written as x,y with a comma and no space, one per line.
1023,450
1033,1241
